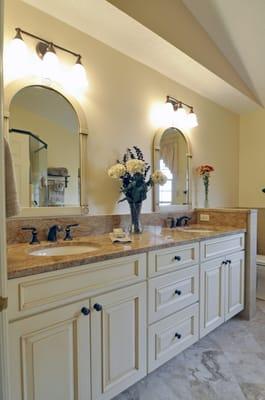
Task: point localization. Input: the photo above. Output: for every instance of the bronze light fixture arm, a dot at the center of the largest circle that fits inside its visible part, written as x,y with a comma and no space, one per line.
19,31
175,102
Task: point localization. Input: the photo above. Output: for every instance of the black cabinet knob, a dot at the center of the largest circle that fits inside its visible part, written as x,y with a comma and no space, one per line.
85,310
178,335
177,258
178,292
98,307
224,262
229,261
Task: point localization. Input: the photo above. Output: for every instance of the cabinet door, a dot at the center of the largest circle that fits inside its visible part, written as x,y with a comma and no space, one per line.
234,297
50,355
118,340
212,295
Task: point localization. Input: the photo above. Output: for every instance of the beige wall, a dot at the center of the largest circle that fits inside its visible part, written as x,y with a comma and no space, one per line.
252,159
118,105
252,168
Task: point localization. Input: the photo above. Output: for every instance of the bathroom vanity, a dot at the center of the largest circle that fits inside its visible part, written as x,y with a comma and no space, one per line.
88,326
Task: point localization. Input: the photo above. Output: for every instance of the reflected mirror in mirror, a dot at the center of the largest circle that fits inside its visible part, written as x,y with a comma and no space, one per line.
172,158
44,141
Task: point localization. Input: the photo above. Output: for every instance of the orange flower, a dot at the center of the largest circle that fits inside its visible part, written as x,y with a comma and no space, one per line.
205,169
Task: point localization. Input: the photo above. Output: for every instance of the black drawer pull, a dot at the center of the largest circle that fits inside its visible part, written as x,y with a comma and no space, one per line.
228,261
178,335
98,307
85,310
178,292
224,262
177,258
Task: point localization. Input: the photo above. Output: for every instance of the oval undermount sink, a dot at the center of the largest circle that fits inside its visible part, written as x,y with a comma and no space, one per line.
64,250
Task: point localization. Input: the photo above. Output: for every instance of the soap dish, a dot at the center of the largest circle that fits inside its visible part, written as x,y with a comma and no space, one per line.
124,239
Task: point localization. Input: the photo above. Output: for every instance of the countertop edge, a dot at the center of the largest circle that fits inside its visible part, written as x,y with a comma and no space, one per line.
67,264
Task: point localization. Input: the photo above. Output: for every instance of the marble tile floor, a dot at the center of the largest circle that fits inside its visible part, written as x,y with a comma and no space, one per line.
227,364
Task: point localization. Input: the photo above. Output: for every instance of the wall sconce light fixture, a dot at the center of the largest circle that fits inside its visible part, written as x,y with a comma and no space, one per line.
179,115
46,50
19,46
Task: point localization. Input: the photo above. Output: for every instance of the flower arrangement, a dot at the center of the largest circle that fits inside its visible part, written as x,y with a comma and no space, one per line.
133,172
205,171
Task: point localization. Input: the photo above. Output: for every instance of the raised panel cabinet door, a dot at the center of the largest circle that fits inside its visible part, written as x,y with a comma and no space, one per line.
212,294
50,355
118,340
234,297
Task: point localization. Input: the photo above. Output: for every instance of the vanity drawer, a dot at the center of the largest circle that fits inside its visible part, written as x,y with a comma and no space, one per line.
218,247
170,259
40,292
172,292
169,337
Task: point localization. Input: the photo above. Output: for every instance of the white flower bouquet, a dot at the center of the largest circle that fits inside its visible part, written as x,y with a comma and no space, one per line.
133,172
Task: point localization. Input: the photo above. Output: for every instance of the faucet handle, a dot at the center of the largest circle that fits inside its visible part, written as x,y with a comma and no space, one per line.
182,220
34,238
187,219
170,222
68,234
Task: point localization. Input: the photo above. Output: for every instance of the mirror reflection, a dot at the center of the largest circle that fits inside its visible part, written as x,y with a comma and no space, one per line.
172,158
44,141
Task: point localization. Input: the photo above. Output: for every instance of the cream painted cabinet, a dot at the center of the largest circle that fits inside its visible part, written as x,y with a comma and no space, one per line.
50,351
222,290
234,296
66,348
118,340
212,307
50,355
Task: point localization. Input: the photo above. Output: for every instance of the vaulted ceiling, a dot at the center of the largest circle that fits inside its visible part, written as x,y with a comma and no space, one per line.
213,47
238,29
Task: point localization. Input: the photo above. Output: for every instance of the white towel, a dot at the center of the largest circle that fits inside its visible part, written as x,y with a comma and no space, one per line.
12,204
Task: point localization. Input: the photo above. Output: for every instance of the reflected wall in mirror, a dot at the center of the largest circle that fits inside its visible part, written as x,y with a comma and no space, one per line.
172,156
44,141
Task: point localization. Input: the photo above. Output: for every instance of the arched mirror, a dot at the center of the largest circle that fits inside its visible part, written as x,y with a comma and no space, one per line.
45,139
172,156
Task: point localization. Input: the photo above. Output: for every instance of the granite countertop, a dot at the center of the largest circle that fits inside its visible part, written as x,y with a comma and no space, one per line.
21,263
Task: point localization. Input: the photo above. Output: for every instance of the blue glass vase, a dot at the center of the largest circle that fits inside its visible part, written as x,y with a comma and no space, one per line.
135,209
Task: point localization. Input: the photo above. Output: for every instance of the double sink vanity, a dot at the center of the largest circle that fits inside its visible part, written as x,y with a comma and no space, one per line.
87,325
88,317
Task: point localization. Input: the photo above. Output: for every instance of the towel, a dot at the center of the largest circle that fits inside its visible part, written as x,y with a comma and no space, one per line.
12,204
57,171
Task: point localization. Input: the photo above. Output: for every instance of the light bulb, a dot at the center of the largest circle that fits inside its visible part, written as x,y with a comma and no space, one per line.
50,63
180,117
19,47
192,120
78,75
161,115
167,112
17,54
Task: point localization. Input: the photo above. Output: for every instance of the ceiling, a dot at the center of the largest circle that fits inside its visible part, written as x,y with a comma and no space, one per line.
103,21
238,29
